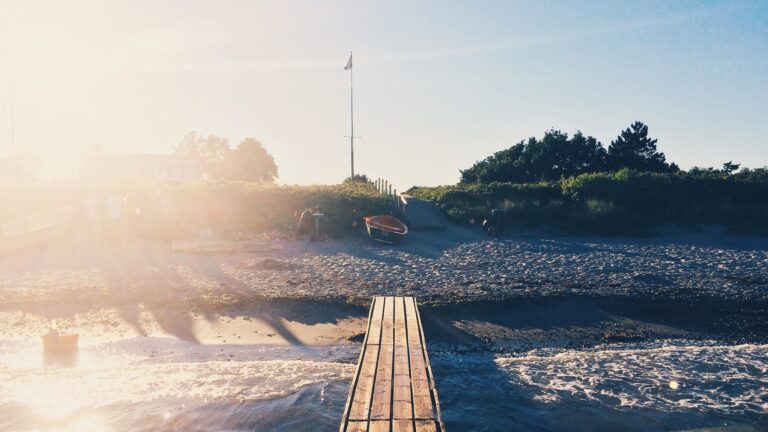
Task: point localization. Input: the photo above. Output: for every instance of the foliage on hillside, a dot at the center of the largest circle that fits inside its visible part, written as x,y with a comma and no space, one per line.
219,205
576,184
622,202
249,206
465,202
556,156
249,161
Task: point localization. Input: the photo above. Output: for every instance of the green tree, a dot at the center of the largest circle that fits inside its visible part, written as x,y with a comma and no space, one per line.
553,157
251,162
633,149
357,178
505,165
212,151
730,167
556,156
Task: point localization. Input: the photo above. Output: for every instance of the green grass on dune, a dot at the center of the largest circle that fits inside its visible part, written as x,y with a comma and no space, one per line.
220,205
624,202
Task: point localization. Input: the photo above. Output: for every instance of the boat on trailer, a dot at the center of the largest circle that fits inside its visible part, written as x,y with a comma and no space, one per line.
385,229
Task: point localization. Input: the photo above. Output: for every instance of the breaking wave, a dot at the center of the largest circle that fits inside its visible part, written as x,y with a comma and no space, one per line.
668,378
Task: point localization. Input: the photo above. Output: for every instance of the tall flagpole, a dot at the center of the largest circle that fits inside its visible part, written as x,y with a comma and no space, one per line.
351,118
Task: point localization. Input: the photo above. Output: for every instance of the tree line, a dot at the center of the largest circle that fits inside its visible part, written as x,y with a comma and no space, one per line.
557,156
249,161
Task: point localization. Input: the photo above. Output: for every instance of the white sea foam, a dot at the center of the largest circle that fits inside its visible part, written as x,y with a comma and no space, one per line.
111,376
708,377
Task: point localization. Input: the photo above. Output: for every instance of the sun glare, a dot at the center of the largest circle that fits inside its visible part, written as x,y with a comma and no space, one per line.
231,215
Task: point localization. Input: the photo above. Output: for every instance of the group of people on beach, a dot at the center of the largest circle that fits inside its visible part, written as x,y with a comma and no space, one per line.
115,217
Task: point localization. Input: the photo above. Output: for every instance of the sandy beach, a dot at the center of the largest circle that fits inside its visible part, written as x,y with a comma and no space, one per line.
318,293
262,335
439,267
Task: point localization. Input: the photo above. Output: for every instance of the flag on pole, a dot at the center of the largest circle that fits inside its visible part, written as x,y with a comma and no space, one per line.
349,63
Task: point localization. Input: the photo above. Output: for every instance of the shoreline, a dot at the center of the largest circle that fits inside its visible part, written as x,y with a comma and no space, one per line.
498,327
475,291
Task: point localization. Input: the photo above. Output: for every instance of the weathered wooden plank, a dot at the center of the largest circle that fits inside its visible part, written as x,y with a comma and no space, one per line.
426,426
361,398
357,426
402,405
422,407
419,380
400,333
431,377
414,332
388,322
350,397
420,383
382,391
374,326
378,426
402,425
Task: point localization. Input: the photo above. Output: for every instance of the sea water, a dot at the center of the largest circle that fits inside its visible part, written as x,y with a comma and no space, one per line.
164,384
659,386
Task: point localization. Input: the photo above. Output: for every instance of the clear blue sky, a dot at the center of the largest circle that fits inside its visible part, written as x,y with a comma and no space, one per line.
439,85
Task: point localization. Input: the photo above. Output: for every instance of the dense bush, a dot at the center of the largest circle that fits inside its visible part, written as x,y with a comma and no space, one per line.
220,205
526,204
621,202
249,206
739,201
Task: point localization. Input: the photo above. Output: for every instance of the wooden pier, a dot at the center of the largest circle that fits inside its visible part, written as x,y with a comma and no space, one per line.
393,389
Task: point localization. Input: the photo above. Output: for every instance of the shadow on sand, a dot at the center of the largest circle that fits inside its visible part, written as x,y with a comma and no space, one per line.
141,279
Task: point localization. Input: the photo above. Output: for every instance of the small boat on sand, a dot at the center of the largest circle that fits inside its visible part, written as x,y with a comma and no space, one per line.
385,229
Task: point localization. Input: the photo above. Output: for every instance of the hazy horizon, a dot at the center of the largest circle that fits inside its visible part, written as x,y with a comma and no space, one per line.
447,85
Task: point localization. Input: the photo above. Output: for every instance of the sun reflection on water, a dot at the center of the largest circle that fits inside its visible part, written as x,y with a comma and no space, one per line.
55,393
76,423
136,385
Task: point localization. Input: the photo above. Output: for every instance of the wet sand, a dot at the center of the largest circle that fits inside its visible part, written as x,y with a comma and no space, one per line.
585,322
273,323
497,327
